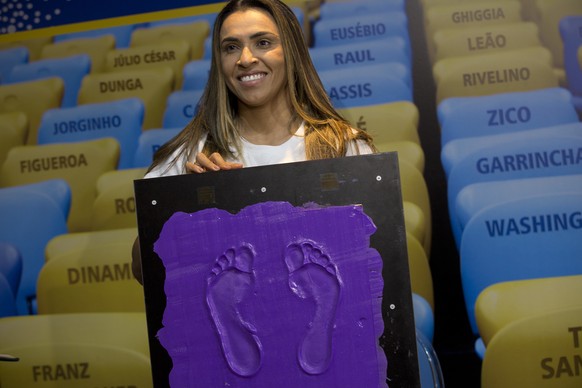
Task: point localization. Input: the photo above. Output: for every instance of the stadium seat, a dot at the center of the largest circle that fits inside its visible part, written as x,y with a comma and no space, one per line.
80,164
423,316
503,303
13,132
207,17
38,210
148,144
414,189
7,298
414,221
122,34
9,58
95,279
407,150
550,12
32,98
504,112
193,33
332,9
394,121
526,157
172,54
11,266
360,28
153,87
570,28
375,84
420,274
120,119
181,107
196,74
512,71
95,47
542,350
354,55
475,197
478,40
33,45
517,240
114,207
70,69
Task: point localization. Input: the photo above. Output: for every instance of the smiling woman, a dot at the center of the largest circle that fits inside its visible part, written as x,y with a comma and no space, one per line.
263,104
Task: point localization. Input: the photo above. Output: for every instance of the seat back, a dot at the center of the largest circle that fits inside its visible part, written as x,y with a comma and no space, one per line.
120,119
523,239
512,71
172,54
80,164
32,210
503,303
570,27
91,279
122,34
332,9
10,57
196,74
420,273
95,47
32,98
114,207
376,84
70,69
7,299
13,132
360,28
193,34
542,350
354,55
504,112
181,107
153,87
10,265
423,316
33,45
148,144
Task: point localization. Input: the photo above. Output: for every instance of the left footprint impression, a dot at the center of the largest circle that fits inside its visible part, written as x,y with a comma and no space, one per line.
229,284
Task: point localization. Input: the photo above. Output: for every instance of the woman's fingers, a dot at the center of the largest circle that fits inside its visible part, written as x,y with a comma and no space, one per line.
214,162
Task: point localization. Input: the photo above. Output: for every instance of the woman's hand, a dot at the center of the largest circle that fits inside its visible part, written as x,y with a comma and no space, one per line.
214,162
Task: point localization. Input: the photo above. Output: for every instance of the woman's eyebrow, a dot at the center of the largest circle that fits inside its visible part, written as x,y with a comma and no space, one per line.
256,35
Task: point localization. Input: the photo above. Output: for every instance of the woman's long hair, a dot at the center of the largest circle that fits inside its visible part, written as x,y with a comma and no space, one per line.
327,134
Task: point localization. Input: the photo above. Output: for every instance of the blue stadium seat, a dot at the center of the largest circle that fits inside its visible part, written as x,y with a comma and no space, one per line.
360,28
120,119
375,84
181,107
149,142
7,299
9,58
70,69
456,150
31,216
461,117
122,34
423,316
207,48
196,74
390,49
522,239
11,265
570,28
518,157
475,197
330,10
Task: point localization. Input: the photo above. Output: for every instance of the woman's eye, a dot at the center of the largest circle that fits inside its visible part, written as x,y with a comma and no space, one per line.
229,48
264,43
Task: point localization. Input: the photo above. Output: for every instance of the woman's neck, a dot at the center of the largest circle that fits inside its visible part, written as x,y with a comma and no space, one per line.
267,126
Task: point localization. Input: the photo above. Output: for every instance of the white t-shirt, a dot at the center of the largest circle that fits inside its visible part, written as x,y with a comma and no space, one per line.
293,150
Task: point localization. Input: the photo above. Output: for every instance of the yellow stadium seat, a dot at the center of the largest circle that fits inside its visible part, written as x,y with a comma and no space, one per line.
153,86
80,164
549,13
407,150
34,46
485,39
414,190
500,304
96,48
538,351
414,221
393,121
95,279
516,71
173,54
114,207
193,33
468,14
13,132
32,98
420,274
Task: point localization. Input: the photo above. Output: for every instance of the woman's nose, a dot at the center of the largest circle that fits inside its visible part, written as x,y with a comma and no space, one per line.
246,57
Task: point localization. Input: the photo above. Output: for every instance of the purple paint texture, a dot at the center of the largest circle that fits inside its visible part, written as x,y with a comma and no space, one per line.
275,295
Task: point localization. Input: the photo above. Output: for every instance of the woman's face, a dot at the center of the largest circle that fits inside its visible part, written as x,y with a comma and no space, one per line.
252,58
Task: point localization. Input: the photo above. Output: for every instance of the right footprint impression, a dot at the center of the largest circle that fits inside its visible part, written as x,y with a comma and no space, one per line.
313,276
